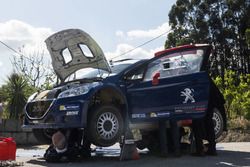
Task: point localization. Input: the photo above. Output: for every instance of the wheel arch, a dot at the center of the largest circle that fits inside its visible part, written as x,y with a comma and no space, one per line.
217,100
107,94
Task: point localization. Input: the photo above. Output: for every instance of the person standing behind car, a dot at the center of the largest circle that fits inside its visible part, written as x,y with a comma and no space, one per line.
1,111
215,99
204,128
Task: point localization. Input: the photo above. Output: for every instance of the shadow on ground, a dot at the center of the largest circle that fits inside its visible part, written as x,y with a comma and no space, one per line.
224,159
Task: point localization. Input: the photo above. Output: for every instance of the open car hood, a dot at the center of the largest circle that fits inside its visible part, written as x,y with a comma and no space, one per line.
68,52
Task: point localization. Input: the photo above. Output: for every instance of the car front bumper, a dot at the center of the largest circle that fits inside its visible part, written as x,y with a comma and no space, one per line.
60,113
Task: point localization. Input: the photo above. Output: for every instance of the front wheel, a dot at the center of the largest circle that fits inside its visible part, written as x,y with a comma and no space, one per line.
105,125
218,123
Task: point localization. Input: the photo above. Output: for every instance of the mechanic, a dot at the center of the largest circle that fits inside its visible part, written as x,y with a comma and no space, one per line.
209,125
204,128
67,145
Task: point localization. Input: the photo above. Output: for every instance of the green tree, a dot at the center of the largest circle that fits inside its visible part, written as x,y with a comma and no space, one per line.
236,91
222,23
248,37
16,98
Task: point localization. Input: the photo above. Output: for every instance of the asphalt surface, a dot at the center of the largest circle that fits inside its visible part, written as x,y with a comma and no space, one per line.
229,155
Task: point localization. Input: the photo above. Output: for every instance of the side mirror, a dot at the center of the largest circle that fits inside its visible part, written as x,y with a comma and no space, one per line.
155,80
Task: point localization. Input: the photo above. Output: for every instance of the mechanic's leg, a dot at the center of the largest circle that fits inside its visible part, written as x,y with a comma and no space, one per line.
210,135
163,138
85,145
198,135
175,137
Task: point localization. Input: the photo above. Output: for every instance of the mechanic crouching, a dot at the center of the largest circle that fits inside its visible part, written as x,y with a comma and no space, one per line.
67,145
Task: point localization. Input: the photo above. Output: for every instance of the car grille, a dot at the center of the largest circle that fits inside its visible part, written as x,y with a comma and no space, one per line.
38,109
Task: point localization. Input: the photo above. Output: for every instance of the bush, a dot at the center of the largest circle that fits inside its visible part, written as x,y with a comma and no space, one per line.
239,124
14,95
236,91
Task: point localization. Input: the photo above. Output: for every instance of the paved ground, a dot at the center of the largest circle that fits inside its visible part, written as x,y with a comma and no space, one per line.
229,155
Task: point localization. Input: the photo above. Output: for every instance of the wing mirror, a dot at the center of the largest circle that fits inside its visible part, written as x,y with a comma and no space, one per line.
155,80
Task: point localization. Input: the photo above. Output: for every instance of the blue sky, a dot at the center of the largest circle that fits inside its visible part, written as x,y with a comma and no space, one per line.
116,25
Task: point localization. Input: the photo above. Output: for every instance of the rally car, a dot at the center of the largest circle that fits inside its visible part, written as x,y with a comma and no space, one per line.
105,97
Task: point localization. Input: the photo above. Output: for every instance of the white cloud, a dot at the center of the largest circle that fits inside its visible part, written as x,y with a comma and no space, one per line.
138,53
151,33
18,34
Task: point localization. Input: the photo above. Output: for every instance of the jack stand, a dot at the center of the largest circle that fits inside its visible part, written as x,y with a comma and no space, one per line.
129,150
163,138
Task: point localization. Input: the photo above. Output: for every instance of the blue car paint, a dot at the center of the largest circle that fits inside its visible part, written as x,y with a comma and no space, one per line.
165,97
143,101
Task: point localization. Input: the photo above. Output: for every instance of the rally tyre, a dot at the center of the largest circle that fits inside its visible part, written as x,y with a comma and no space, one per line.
105,125
218,123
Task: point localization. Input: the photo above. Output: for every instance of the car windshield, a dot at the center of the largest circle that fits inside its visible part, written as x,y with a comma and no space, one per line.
89,73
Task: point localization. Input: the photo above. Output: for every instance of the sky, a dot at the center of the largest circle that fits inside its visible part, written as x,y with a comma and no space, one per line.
117,26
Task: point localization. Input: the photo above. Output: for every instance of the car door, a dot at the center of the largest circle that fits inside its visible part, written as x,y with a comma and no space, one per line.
174,84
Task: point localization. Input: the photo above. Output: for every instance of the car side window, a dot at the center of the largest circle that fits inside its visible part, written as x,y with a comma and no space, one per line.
180,63
153,68
136,75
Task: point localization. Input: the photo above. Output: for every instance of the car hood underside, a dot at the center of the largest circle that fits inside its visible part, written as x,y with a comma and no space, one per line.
72,40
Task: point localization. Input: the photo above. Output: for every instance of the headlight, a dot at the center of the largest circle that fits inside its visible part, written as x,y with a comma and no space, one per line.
32,97
74,91
80,90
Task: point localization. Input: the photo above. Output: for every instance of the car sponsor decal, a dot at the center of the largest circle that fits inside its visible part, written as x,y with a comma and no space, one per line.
178,111
138,115
159,114
163,114
153,114
69,107
70,113
190,109
188,94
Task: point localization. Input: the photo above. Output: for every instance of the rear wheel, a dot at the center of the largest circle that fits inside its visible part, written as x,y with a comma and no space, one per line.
105,125
218,123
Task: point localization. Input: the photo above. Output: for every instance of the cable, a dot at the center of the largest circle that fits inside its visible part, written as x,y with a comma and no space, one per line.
9,47
131,50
